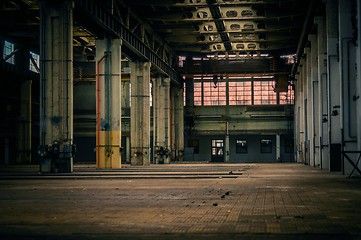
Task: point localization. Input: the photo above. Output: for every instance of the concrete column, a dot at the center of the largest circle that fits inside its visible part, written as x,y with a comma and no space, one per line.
140,113
128,149
172,122
178,122
162,120
314,104
56,86
322,92
108,93
167,118
304,106
158,120
125,96
358,79
24,130
189,91
308,109
155,107
278,147
226,148
333,78
23,147
297,114
126,116
301,111
347,52
189,84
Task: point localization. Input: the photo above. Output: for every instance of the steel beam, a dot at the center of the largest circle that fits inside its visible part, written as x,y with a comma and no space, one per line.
134,47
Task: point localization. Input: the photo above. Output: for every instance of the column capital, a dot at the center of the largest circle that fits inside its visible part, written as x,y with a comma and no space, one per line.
166,81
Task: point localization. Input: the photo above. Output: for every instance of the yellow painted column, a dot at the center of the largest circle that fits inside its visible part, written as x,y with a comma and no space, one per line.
108,103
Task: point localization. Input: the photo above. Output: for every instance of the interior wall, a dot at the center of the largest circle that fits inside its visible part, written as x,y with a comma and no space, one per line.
253,154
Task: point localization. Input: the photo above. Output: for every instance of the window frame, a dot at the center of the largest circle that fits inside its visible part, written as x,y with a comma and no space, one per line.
241,149
266,145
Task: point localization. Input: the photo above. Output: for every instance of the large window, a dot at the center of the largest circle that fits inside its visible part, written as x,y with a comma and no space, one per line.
214,95
9,49
263,93
241,146
245,91
240,93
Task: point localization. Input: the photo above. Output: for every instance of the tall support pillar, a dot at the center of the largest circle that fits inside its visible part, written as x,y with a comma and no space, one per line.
348,77
226,136
301,112
314,103
308,109
297,116
162,120
322,92
126,116
23,147
140,113
358,79
226,147
333,78
178,123
56,86
304,105
189,107
278,147
158,120
155,107
108,97
24,141
167,119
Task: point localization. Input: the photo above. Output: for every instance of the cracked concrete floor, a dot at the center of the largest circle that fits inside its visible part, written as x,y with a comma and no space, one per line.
180,201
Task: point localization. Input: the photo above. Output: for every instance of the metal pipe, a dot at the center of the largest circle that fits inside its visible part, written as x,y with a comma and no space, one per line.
42,75
342,110
329,97
349,90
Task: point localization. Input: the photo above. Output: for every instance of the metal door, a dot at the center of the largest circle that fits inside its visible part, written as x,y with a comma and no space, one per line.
217,150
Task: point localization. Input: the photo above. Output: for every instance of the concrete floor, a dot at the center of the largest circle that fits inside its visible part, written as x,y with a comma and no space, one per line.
180,201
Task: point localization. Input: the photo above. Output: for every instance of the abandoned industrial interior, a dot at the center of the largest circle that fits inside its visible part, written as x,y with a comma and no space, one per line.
180,119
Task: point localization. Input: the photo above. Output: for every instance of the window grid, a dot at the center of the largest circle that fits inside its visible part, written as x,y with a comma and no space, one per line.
241,146
214,96
240,93
197,94
263,93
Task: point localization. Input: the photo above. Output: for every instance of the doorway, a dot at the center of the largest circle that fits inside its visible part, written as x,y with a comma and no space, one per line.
217,150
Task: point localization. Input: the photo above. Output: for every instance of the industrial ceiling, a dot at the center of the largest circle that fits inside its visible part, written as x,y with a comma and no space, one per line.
201,27
195,28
